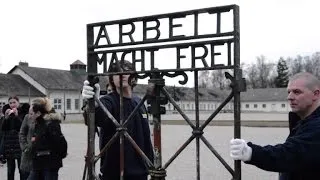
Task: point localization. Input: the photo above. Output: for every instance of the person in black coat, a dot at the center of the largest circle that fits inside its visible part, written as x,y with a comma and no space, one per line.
44,146
137,127
13,116
298,158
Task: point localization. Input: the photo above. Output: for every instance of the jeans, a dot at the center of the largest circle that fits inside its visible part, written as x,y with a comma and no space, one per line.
44,174
11,167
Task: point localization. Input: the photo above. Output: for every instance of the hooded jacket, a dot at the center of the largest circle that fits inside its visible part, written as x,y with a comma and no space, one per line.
47,132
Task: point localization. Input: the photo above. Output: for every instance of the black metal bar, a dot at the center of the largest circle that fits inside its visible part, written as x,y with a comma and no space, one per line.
167,15
237,77
218,23
155,84
179,151
228,99
135,110
84,171
106,147
173,39
218,67
185,117
196,87
224,163
92,68
121,134
229,53
105,110
163,46
139,151
196,22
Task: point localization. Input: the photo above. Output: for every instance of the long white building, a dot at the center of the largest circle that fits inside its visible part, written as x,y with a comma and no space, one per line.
63,88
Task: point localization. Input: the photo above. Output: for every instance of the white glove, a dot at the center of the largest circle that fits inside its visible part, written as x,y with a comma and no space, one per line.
239,150
88,91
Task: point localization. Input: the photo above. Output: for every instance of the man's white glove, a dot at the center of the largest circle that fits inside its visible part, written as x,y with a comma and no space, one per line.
88,91
239,150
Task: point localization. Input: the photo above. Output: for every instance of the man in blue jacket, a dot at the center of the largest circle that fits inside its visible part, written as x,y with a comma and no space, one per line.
137,127
298,158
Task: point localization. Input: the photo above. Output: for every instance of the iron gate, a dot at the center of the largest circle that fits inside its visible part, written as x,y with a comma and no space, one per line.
106,48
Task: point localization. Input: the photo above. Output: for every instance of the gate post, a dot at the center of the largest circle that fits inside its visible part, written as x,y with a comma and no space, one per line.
155,84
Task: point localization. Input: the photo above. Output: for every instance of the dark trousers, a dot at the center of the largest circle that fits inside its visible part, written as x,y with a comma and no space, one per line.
140,177
11,167
44,174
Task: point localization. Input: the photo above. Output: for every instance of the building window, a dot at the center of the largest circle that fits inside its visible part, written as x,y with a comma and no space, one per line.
255,105
57,103
283,105
76,104
192,106
68,104
264,105
247,106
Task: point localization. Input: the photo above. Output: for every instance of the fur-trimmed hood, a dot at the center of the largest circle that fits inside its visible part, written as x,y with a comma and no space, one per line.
53,117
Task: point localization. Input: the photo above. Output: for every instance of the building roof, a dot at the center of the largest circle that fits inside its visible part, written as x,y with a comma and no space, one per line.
12,84
268,94
56,79
78,62
186,93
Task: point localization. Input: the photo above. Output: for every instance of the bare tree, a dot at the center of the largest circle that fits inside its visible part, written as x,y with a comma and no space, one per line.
264,71
219,80
312,64
250,73
204,79
296,65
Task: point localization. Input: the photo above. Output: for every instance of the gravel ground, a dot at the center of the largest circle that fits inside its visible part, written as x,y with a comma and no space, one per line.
184,167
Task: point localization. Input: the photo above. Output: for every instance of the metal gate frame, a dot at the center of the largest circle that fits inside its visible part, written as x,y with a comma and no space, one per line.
156,94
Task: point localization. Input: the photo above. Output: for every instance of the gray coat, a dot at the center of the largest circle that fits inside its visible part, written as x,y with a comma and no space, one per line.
25,134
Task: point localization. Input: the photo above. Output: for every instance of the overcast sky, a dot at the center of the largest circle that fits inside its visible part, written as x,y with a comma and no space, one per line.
53,34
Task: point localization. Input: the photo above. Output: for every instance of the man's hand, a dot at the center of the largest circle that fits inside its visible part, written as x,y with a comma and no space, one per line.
88,91
239,150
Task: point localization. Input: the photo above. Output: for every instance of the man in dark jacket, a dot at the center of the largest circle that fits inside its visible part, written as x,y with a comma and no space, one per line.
137,127
298,158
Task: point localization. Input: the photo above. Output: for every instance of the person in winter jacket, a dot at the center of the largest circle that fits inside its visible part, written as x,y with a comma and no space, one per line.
298,158
25,135
44,146
11,126
137,127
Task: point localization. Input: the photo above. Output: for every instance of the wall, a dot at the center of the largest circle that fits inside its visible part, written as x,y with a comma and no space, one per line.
59,100
269,106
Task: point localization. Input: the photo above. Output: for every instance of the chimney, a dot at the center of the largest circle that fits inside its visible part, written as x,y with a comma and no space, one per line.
26,64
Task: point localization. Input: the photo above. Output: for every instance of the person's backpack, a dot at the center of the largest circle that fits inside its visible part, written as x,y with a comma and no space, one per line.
63,147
